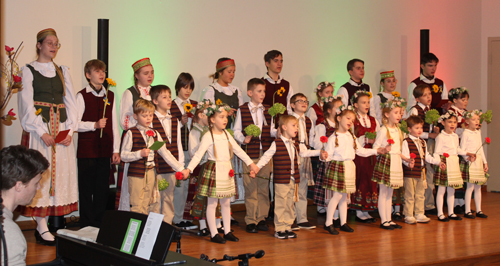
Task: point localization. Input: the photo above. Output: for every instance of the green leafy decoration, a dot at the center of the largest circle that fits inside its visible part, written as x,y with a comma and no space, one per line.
370,135
277,108
404,127
252,130
486,116
162,184
432,116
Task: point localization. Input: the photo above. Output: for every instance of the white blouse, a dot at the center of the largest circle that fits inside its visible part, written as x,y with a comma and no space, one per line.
127,119
345,151
471,141
311,113
381,140
448,143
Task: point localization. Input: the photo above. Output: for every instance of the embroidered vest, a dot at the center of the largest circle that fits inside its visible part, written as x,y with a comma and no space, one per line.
360,130
282,164
319,113
436,96
253,148
138,168
421,114
272,88
416,171
351,89
162,166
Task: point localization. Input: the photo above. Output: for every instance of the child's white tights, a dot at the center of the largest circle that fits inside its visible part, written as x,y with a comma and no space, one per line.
385,203
477,197
339,199
450,199
225,205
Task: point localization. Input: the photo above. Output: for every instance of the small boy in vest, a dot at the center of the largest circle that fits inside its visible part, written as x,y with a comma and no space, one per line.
98,144
285,154
256,189
414,153
142,163
305,135
170,131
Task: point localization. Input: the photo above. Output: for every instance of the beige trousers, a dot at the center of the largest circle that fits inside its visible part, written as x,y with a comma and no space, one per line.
141,191
257,193
283,206
414,196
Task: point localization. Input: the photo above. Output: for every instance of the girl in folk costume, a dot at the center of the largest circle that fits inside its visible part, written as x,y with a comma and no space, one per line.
216,177
447,174
365,127
324,129
48,96
323,91
388,172
474,173
342,147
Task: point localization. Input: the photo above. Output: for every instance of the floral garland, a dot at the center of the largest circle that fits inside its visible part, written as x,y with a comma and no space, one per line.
331,98
343,108
396,102
323,85
359,93
469,114
216,108
457,91
449,114
203,104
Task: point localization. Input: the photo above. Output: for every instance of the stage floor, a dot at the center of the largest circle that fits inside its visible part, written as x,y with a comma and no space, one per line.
465,242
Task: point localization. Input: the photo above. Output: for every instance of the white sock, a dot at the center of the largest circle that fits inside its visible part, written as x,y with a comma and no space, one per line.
381,203
367,215
457,203
450,199
397,208
203,224
343,208
331,209
468,197
225,206
360,215
477,197
321,209
42,227
218,222
336,214
440,200
461,202
211,206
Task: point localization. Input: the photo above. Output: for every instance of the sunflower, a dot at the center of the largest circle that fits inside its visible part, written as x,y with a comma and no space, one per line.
370,94
111,82
396,94
38,111
435,88
188,107
218,102
281,91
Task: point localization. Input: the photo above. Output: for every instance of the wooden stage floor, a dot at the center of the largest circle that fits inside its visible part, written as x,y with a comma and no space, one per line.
466,242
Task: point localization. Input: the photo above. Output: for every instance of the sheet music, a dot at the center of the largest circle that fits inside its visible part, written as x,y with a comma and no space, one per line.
149,235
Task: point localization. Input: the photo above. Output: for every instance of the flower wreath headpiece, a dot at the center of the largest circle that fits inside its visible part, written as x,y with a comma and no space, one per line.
360,93
331,98
447,116
343,108
396,102
323,85
216,108
457,91
203,104
469,114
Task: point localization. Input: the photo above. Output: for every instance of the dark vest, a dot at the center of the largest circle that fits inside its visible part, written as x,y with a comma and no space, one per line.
416,171
231,100
436,96
361,130
253,148
282,163
319,113
90,144
138,168
383,99
351,89
162,166
421,114
329,130
48,90
176,112
308,128
272,88
135,94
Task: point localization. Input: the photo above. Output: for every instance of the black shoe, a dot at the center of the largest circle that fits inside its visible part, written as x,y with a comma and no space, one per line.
458,210
397,216
365,221
203,232
40,240
469,215
321,213
395,225
291,234
295,227
262,226
190,226
306,225
336,223
346,228
386,226
281,235
431,212
251,228
221,230
234,222
443,218
373,220
218,239
231,237
181,225
480,214
331,229
455,217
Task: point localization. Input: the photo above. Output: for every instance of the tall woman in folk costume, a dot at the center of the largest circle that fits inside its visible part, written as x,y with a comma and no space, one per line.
47,106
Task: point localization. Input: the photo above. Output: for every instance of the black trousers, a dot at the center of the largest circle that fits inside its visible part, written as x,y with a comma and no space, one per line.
93,189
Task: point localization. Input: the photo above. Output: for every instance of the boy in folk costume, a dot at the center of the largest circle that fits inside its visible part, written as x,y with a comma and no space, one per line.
274,82
356,69
256,189
284,153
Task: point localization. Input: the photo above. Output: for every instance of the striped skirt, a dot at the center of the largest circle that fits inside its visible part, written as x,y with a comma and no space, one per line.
451,176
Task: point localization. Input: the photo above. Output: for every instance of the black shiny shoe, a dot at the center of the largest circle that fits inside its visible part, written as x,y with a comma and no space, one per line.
386,226
40,240
469,215
218,239
331,229
336,223
251,228
203,232
220,230
395,225
481,215
234,222
365,221
443,218
231,237
346,228
454,217
262,226
397,216
458,209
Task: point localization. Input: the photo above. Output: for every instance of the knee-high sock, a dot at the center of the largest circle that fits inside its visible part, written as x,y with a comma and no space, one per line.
477,197
225,207
332,205
203,224
336,214
388,203
440,200
468,197
211,206
42,227
382,194
360,214
218,222
450,199
343,208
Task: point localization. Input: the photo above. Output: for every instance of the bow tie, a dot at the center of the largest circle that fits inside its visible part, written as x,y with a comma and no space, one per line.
254,109
165,117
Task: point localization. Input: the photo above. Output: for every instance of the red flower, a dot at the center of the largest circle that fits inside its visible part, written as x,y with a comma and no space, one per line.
179,176
231,173
323,139
151,133
9,49
488,140
413,156
390,141
446,155
16,78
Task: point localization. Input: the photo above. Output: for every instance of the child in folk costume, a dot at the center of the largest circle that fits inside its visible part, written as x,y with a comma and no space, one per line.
284,153
340,176
447,174
474,173
216,178
322,91
365,197
324,129
388,172
388,84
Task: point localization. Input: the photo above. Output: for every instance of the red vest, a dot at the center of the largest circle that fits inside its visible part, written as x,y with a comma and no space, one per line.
351,89
421,114
90,144
176,112
308,129
436,96
253,148
361,130
162,166
138,168
416,171
272,88
319,113
282,164
329,130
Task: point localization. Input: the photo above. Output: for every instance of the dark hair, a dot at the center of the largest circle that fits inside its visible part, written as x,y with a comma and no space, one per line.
420,89
297,95
216,74
157,90
350,64
252,83
271,55
21,164
454,96
184,79
356,99
93,64
427,58
413,120
329,105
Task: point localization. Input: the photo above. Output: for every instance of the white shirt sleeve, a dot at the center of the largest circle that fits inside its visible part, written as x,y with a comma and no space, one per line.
170,159
376,108
311,113
208,93
405,151
288,97
116,129
127,155
320,131
360,151
330,147
411,98
311,134
70,102
239,151
127,111
444,94
194,142
83,126
237,129
304,152
343,92
240,97
179,143
267,156
205,143
381,139
30,122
